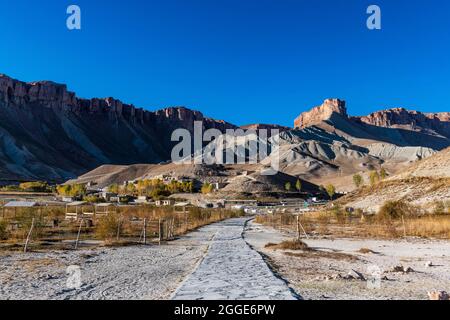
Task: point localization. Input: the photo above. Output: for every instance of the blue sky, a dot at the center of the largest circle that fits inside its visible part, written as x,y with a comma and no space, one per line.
244,61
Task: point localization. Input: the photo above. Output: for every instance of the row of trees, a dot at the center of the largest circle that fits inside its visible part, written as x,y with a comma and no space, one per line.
34,186
374,177
329,189
71,190
298,186
154,188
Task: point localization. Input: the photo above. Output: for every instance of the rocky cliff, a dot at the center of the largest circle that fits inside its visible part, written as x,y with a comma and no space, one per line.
47,132
321,113
401,118
14,93
412,120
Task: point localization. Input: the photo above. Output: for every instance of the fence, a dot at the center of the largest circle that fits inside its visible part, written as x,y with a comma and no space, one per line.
50,227
339,223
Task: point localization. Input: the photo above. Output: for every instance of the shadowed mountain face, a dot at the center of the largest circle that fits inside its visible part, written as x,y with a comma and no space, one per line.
47,133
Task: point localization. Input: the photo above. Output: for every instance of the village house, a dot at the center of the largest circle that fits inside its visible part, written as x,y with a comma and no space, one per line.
164,203
107,195
142,200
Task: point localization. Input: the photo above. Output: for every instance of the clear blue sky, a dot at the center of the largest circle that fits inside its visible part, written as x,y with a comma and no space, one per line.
244,61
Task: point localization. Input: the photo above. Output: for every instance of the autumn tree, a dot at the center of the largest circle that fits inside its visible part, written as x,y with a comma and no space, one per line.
298,185
358,180
374,177
207,188
288,186
383,174
114,188
331,191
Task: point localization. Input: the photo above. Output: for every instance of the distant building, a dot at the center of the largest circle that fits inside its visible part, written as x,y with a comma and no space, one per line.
237,202
121,199
164,203
219,185
67,199
21,204
108,195
142,200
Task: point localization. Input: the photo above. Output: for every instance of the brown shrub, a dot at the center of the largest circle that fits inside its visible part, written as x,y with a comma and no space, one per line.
107,226
3,230
395,210
289,245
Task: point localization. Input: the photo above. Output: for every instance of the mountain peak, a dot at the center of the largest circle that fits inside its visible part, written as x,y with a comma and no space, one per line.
321,113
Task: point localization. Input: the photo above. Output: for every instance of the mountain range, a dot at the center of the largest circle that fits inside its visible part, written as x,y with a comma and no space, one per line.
48,133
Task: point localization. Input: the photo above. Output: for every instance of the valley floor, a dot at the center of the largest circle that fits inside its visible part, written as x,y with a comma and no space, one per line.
229,260
137,273
215,263
321,273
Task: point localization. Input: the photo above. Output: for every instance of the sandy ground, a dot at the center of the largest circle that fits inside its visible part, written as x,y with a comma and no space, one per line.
231,270
220,261
212,263
315,275
138,273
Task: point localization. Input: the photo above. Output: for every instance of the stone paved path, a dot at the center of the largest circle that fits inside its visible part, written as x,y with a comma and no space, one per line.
232,270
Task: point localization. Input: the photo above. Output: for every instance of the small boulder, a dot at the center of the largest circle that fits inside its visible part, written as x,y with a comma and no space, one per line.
402,269
438,295
353,274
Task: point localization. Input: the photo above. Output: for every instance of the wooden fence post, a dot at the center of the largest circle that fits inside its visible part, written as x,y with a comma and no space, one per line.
173,228
304,231
298,228
119,222
78,235
404,227
28,237
160,230
145,230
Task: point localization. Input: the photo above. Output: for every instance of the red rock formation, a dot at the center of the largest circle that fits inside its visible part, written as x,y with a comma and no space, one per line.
411,120
396,117
321,113
53,95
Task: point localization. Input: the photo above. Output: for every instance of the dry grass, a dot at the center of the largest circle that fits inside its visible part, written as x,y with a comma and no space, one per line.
340,224
317,254
438,226
289,245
